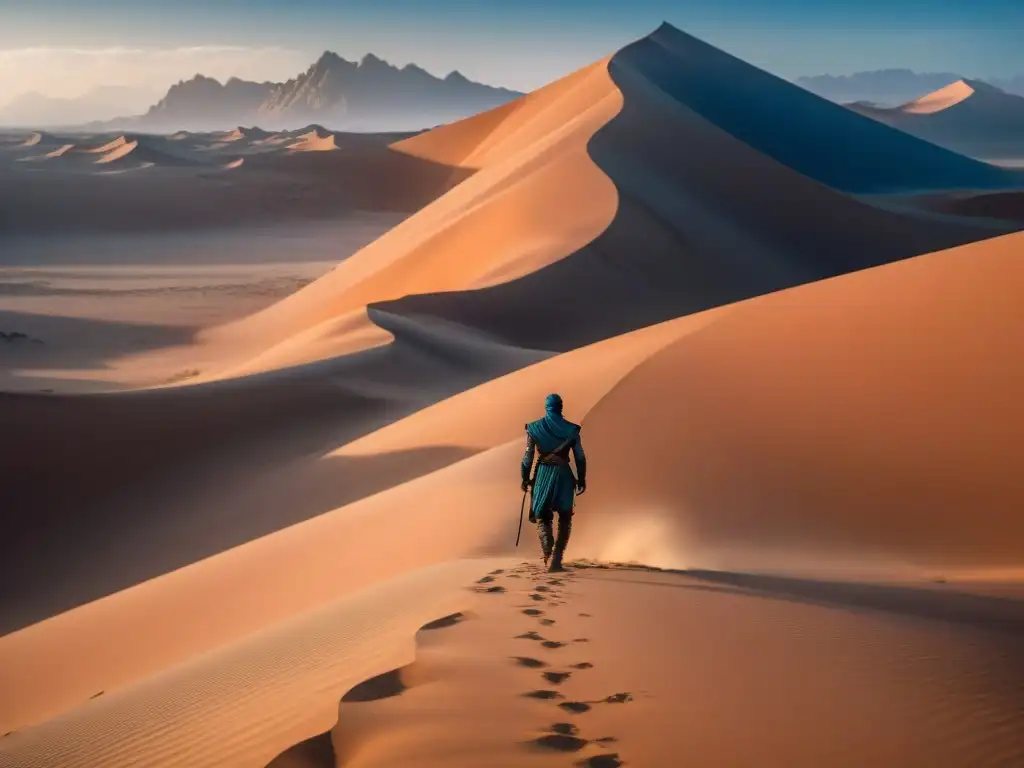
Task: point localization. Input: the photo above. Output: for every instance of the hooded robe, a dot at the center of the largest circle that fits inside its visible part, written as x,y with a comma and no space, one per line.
555,486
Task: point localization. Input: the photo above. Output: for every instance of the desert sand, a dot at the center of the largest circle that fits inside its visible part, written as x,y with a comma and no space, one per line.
801,544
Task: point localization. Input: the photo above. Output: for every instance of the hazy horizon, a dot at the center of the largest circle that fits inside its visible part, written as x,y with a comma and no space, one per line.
66,50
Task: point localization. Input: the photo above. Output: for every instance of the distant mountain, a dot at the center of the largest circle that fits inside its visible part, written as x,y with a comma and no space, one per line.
369,95
204,104
967,116
36,110
890,87
375,95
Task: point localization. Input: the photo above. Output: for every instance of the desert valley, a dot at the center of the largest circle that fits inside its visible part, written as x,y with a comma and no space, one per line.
262,396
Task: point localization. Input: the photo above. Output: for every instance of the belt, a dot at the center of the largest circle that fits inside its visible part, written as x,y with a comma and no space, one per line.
553,459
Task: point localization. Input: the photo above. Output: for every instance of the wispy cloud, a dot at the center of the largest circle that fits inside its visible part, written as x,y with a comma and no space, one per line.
73,71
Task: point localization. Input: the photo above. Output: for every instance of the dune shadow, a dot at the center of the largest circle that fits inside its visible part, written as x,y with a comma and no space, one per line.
213,465
713,191
315,752
444,622
71,542
72,343
383,686
1002,614
275,186
319,751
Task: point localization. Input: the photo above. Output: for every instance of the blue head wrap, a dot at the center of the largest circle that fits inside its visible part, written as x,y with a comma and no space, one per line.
553,404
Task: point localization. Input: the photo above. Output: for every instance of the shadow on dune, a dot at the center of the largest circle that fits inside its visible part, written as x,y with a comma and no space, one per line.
983,611
153,483
77,343
272,187
154,480
316,752
707,216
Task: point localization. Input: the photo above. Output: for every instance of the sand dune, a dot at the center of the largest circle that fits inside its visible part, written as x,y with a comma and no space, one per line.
34,140
830,401
561,197
314,142
65,195
601,182
58,152
241,133
591,674
940,100
111,146
967,116
198,713
64,148
832,471
116,151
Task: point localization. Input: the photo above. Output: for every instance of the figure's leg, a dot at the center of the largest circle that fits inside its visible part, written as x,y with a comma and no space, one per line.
544,530
564,529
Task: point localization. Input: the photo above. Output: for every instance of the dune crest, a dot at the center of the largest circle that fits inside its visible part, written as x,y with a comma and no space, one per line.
542,182
939,100
314,142
33,140
117,150
110,146
619,180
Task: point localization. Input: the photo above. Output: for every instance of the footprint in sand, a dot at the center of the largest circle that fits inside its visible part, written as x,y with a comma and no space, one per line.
619,698
585,615
547,622
576,707
495,573
542,588
533,612
579,707
583,665
535,596
492,590
582,640
529,636
556,678
552,644
542,694
601,761
526,661
563,738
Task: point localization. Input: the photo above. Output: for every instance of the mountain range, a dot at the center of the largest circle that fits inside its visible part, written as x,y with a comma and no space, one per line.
368,95
892,87
32,109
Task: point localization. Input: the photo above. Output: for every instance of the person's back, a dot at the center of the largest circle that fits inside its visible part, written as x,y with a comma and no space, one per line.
554,486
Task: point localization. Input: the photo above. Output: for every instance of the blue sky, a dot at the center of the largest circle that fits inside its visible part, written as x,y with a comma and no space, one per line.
518,43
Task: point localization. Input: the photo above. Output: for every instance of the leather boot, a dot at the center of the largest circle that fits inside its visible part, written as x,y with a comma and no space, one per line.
564,529
546,537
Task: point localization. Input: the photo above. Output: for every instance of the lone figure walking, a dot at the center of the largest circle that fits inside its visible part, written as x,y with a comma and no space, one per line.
554,486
